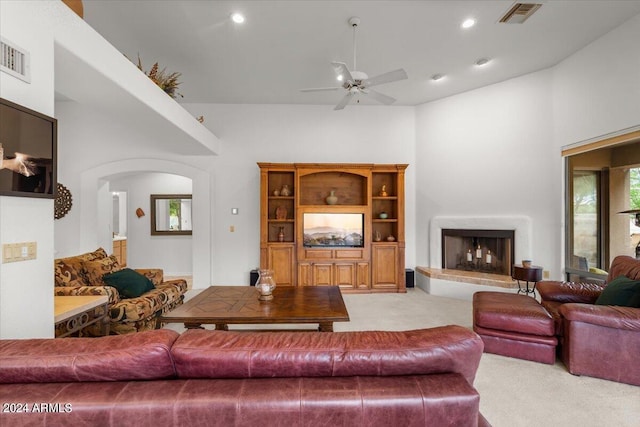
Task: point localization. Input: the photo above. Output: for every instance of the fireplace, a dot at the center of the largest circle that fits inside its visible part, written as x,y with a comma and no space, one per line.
485,251
521,240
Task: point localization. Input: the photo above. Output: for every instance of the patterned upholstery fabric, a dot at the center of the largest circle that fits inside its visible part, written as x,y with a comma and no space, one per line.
82,275
69,271
94,270
153,274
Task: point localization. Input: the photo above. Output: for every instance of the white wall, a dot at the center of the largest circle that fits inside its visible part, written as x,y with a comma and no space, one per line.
293,133
173,253
26,288
596,91
488,152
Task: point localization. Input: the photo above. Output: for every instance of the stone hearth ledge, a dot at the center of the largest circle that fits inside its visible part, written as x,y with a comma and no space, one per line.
462,284
472,277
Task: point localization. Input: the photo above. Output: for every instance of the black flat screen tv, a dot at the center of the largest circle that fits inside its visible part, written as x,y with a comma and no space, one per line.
333,229
28,143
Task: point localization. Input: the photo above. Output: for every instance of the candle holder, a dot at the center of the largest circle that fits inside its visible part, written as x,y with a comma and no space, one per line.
265,285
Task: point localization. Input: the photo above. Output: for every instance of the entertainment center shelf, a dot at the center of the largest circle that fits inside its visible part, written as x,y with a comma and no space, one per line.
333,224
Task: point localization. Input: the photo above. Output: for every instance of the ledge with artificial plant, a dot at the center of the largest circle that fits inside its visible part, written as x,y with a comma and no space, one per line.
166,81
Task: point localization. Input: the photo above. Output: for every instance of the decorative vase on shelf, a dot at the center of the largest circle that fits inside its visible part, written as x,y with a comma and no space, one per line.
390,238
383,215
332,199
265,284
377,237
276,192
285,191
281,212
383,191
281,235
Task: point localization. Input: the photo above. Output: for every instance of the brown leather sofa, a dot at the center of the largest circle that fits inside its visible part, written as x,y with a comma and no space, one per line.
600,341
219,378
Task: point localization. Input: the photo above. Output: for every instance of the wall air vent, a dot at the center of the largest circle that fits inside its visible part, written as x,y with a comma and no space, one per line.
14,60
519,13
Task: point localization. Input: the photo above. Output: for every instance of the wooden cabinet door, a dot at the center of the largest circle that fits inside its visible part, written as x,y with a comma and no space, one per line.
281,261
322,274
120,252
123,253
362,275
345,275
305,274
385,266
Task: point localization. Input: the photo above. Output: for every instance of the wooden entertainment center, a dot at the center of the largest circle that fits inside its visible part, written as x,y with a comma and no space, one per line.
367,259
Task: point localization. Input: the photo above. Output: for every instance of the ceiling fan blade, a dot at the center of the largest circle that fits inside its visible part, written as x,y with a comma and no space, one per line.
389,77
341,69
344,101
319,89
380,97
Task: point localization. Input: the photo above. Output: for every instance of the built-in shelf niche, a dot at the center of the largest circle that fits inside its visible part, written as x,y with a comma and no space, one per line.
349,188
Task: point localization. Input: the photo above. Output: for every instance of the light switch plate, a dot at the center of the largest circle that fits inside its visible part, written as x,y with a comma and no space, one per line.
14,252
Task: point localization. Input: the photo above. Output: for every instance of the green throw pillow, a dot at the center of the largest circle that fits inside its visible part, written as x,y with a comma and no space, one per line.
129,283
621,291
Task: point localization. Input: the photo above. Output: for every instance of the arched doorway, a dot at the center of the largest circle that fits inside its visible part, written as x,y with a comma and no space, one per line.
94,226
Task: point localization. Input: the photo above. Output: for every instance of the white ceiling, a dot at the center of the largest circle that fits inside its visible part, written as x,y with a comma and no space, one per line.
287,45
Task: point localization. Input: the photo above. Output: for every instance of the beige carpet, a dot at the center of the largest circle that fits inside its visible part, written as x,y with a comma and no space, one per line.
513,392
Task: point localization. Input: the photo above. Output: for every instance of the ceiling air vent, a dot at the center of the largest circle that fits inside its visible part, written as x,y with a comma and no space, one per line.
14,60
520,12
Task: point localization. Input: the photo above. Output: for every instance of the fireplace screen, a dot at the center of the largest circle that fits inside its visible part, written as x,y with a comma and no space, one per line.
487,251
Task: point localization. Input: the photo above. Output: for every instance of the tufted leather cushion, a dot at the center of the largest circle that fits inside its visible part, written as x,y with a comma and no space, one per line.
563,292
145,355
510,312
615,317
220,354
624,266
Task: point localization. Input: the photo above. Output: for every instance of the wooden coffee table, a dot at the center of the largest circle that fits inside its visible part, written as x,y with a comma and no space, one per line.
225,305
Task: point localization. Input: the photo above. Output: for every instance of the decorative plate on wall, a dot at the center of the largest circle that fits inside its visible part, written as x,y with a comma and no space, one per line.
63,201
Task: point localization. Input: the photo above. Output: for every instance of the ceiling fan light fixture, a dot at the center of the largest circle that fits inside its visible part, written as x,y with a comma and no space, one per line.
237,17
468,23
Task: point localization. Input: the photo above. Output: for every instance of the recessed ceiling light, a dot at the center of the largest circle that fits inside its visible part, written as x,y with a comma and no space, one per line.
238,18
437,77
468,23
482,61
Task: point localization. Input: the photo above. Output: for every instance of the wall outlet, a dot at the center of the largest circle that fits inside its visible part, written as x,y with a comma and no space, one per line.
14,252
545,274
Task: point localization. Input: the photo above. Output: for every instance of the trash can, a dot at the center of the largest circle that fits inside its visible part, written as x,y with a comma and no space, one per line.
409,277
253,277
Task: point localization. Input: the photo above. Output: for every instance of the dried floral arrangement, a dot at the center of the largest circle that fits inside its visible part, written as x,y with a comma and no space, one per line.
168,82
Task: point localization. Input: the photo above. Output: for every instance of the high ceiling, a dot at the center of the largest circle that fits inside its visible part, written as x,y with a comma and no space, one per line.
284,46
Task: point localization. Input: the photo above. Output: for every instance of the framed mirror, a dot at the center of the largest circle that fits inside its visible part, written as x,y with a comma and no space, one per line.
171,215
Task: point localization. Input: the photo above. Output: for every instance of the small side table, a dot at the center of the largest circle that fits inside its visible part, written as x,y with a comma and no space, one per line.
74,313
527,274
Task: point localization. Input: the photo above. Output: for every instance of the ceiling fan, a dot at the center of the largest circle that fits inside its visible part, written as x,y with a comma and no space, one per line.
357,82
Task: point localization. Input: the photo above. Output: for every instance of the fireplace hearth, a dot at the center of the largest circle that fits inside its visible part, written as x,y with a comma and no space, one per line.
485,251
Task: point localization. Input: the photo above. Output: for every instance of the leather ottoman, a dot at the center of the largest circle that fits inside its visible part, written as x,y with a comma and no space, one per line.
515,326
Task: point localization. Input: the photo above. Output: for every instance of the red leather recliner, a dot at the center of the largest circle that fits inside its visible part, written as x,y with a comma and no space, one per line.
601,341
